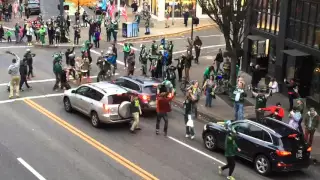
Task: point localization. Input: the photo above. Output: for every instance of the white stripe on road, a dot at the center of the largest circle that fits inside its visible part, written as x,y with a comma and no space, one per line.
31,97
48,80
196,150
97,53
10,47
171,39
31,169
204,47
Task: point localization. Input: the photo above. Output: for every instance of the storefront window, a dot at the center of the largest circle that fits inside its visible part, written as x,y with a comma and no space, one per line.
180,6
315,84
154,7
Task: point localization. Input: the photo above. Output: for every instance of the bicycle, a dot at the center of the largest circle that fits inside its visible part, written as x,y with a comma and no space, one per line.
185,85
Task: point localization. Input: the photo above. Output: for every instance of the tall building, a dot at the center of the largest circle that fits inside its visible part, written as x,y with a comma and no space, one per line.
283,36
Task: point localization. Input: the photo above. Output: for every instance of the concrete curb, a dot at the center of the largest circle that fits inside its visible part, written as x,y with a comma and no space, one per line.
169,34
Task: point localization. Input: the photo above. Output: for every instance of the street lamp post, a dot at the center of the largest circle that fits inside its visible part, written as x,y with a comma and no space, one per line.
194,15
173,6
62,28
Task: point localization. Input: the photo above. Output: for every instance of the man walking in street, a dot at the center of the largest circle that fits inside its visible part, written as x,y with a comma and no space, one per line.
230,152
136,112
311,123
23,74
163,107
13,70
197,47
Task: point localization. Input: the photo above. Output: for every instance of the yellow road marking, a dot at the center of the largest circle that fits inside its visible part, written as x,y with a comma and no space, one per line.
115,156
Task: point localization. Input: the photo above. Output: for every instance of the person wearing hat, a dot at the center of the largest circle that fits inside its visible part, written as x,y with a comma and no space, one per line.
277,112
231,149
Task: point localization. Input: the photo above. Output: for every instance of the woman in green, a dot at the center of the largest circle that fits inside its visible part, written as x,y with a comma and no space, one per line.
42,33
230,151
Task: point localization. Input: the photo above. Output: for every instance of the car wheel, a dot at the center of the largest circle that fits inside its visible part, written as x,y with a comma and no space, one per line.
67,104
262,165
95,121
210,141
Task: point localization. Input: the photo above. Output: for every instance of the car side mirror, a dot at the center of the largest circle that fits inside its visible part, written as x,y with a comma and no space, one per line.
73,91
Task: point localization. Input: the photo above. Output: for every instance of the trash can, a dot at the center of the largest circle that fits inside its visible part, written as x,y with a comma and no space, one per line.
130,29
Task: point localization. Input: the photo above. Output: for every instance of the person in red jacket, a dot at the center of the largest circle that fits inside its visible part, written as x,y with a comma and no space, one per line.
163,107
277,112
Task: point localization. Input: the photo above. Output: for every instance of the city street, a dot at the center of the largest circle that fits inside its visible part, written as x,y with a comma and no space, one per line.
37,133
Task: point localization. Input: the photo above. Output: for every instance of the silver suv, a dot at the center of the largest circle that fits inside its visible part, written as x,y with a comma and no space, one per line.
102,102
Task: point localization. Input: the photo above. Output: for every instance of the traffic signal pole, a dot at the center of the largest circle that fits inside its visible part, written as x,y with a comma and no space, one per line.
62,27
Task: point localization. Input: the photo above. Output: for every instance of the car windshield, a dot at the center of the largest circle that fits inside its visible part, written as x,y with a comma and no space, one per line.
278,127
33,5
150,89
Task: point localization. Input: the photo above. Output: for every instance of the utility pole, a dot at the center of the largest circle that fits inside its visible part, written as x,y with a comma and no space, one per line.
194,15
173,6
62,29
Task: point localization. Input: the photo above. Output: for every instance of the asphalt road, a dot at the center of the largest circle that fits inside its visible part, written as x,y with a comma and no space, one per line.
58,145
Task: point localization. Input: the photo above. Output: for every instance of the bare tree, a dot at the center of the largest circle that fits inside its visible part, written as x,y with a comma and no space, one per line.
230,16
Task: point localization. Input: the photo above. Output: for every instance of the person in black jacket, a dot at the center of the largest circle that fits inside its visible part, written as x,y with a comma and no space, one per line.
219,59
187,64
63,80
256,76
197,47
292,91
180,66
23,74
67,53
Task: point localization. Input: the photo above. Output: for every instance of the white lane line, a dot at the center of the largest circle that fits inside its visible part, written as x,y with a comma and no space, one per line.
31,169
172,39
97,53
204,47
196,150
31,97
13,47
49,80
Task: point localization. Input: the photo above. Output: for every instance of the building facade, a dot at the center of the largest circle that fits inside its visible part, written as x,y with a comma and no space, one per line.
289,31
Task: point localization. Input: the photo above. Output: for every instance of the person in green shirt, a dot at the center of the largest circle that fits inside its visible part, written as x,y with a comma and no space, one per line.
42,33
126,51
57,69
8,35
231,149
16,32
261,102
207,73
136,112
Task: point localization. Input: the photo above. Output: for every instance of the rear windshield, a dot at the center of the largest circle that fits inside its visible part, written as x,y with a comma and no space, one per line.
292,143
279,128
118,98
150,89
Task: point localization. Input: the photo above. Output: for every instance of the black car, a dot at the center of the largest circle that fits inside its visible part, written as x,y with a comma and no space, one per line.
145,87
271,145
34,6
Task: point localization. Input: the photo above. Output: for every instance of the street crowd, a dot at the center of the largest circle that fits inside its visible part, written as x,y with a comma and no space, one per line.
160,59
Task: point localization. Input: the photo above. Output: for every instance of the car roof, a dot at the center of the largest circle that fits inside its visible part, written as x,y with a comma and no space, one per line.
142,80
108,88
282,129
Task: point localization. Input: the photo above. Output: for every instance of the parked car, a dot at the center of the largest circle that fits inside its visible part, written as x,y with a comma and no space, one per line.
102,102
145,87
34,6
271,145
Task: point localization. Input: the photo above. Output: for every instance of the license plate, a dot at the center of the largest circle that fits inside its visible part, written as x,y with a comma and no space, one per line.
152,103
299,154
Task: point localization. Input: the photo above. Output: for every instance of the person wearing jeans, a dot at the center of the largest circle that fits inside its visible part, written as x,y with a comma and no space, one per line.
163,107
311,122
188,114
238,97
209,87
136,112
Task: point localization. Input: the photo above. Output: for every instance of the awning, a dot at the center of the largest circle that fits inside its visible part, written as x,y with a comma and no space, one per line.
256,38
295,53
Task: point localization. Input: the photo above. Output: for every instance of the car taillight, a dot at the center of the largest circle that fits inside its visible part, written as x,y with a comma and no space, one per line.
144,97
106,109
283,153
309,149
292,135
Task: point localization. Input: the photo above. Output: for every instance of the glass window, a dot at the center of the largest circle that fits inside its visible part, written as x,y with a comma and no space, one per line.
82,90
118,99
150,89
255,132
154,7
241,128
132,85
93,94
315,84
180,7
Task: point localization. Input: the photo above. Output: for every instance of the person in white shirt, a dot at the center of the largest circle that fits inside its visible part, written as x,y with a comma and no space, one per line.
273,86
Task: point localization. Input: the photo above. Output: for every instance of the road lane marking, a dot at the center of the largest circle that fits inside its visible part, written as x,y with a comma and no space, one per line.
49,80
107,151
13,47
31,169
204,47
97,53
172,39
31,97
196,150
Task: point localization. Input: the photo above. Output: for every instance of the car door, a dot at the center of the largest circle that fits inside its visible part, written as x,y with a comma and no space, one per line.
255,140
82,99
242,129
91,101
77,98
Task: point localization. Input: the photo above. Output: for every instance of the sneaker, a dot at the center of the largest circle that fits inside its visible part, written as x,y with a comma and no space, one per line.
220,170
231,178
157,132
192,137
187,135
